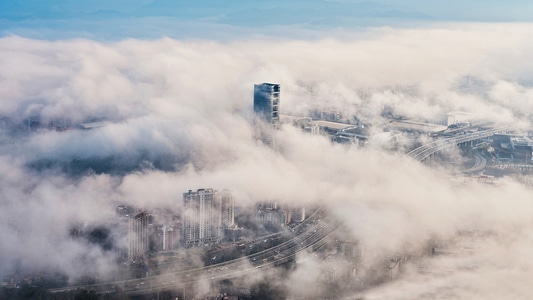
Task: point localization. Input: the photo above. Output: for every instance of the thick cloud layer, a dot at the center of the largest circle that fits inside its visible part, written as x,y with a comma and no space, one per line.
180,119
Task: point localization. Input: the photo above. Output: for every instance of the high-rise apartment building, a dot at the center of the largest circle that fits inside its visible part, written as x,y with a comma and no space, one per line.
138,235
296,214
226,207
207,213
199,219
276,217
266,103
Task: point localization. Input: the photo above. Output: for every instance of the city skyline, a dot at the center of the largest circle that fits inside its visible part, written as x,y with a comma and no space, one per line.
406,126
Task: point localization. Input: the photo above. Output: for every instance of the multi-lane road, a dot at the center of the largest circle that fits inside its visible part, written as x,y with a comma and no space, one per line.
309,235
426,150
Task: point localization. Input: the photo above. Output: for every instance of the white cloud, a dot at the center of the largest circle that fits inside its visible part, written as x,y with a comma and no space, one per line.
187,104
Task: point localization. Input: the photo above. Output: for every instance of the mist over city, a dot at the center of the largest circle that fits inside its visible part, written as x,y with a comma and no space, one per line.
217,155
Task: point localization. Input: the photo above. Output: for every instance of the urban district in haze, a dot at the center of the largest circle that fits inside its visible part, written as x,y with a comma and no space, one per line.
319,149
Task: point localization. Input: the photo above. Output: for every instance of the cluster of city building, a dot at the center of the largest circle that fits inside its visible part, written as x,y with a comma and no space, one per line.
206,218
208,215
513,148
348,129
329,121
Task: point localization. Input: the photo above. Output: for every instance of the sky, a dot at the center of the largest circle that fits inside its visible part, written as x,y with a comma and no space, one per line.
112,20
176,85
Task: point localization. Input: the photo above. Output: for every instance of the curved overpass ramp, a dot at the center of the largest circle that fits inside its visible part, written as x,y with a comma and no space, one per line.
425,151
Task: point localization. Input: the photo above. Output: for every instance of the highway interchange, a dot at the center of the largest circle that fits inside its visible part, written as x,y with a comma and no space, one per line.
426,150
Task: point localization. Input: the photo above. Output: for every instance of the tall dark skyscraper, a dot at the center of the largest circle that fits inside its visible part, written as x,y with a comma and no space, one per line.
266,103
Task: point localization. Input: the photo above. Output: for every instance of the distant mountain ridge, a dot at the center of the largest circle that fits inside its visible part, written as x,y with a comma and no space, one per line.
235,12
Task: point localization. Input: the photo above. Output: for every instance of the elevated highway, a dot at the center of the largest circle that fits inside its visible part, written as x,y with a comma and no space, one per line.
426,150
311,234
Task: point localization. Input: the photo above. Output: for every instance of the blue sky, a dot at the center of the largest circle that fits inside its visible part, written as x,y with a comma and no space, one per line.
100,19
